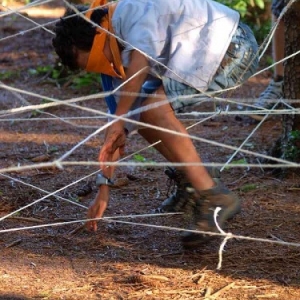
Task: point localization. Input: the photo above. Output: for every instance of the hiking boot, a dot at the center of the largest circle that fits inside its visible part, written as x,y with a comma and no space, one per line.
178,200
208,201
274,92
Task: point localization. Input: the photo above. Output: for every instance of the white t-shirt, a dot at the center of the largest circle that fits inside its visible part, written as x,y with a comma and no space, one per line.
190,37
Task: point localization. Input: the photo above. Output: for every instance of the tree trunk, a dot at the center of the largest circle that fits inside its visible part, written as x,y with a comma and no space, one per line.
289,142
292,65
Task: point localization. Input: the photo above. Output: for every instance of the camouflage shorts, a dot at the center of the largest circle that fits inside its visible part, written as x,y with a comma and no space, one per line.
239,63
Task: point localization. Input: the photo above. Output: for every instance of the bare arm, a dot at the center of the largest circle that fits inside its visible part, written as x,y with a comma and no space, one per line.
138,62
115,137
99,205
115,134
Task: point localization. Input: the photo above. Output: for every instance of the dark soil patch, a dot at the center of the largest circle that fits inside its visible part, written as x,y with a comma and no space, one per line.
122,260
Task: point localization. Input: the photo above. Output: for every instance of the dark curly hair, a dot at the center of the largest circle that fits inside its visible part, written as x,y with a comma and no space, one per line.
72,32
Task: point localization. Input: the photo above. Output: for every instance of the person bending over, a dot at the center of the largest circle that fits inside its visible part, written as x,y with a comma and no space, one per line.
186,49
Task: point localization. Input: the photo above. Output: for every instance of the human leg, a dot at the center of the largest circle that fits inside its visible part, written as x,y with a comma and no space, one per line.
179,148
179,199
205,194
239,63
217,197
278,43
274,90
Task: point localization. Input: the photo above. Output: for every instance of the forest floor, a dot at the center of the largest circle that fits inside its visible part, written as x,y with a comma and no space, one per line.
126,260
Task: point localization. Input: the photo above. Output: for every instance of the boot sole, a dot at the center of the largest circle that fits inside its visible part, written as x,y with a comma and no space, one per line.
193,240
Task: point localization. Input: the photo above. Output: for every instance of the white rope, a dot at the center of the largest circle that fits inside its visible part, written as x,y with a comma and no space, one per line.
115,219
61,162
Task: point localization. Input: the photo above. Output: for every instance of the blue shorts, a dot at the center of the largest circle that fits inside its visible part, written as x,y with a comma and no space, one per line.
277,7
239,63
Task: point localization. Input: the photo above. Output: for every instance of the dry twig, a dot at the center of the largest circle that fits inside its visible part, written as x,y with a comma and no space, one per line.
26,219
220,291
14,243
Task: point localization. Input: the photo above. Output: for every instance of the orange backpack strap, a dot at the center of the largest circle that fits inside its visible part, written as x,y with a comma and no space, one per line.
97,61
114,47
95,3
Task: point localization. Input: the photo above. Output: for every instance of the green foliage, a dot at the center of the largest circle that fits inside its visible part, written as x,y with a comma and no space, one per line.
248,187
295,135
292,150
243,6
35,113
44,70
246,7
60,75
86,79
40,70
242,161
261,29
255,13
52,149
139,158
7,75
269,59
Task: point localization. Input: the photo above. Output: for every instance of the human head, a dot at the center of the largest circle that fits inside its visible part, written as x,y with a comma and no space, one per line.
73,34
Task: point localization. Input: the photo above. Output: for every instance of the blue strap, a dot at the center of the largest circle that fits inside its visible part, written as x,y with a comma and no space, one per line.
107,86
151,86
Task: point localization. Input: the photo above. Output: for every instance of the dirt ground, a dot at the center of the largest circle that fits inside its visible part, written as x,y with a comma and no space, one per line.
128,259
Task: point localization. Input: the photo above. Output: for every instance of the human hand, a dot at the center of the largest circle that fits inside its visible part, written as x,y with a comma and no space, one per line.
114,140
96,209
